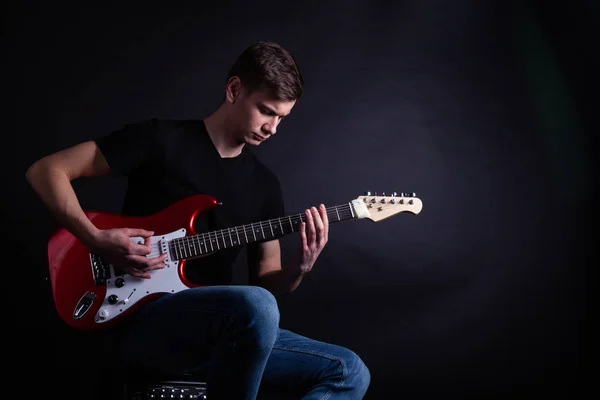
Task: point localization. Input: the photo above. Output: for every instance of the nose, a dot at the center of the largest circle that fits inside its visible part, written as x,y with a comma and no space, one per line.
271,126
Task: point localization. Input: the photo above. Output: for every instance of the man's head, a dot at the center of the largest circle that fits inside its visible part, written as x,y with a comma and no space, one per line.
266,66
263,85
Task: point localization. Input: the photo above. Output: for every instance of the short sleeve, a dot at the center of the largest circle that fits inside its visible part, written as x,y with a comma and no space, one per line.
129,147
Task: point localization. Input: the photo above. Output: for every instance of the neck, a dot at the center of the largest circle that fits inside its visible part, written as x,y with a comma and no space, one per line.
222,135
209,242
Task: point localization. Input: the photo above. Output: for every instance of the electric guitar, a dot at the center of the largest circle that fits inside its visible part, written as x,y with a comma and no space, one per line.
90,293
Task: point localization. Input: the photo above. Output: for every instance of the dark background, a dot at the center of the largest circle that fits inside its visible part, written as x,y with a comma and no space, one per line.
482,108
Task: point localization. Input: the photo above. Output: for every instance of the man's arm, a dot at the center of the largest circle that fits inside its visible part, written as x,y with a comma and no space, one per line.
264,262
264,259
51,178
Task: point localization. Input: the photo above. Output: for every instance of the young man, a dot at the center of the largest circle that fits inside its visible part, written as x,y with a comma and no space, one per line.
232,332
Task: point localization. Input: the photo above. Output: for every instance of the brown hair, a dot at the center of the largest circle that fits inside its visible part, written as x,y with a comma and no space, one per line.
267,65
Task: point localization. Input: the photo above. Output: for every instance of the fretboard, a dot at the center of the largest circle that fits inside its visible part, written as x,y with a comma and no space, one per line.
210,242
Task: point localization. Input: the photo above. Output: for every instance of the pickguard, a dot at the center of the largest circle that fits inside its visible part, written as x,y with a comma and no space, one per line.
124,290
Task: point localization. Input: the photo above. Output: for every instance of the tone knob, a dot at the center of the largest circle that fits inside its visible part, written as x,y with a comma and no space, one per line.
102,314
113,299
120,282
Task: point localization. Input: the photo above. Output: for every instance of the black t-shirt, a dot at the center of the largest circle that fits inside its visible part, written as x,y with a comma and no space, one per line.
168,160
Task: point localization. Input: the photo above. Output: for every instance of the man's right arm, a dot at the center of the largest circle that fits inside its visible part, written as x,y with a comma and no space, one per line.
51,178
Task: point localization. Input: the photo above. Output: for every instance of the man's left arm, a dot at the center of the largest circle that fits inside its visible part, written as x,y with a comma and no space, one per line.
264,259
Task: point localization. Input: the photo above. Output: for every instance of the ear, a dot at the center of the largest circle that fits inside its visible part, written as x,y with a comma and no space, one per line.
233,89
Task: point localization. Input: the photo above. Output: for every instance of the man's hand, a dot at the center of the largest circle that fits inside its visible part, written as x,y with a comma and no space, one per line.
313,239
116,246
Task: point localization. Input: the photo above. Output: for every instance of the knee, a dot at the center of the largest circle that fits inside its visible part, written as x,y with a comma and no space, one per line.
357,374
258,311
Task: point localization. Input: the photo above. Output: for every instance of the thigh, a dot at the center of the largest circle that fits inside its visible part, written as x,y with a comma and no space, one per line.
179,331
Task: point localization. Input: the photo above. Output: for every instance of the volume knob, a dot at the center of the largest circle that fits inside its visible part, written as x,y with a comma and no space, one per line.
113,298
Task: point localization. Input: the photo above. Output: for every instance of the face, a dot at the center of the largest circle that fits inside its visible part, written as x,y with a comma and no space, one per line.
254,116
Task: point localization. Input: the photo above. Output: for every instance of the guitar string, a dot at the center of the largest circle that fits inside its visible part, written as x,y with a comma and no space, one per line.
199,240
225,232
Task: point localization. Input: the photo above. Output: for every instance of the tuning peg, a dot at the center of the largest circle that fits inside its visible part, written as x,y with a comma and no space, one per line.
367,193
394,194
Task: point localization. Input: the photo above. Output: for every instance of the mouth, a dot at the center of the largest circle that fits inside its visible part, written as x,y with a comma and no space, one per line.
259,137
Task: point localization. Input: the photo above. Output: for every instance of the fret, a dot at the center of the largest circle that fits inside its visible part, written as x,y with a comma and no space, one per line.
271,226
291,225
223,237
350,204
238,236
211,243
179,249
263,231
338,214
216,240
245,233
280,226
230,239
176,252
185,253
253,234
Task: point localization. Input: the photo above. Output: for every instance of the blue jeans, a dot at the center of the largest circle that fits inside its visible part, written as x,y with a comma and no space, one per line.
231,335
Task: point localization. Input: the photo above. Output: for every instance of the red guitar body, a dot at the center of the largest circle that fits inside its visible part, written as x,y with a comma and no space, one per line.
82,296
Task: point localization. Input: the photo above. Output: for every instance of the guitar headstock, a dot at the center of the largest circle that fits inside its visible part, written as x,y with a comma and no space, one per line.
379,207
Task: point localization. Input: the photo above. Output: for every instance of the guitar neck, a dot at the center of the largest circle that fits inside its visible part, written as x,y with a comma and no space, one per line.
209,242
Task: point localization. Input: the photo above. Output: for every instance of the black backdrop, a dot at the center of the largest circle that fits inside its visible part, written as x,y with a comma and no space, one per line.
479,108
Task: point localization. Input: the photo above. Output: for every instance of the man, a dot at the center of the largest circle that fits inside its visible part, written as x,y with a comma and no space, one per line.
232,332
